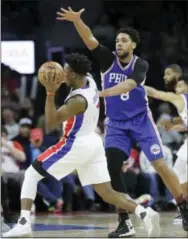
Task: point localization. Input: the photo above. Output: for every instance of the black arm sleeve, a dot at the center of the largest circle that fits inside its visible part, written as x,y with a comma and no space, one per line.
104,56
140,70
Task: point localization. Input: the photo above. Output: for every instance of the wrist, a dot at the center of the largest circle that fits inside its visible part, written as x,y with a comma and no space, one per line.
50,93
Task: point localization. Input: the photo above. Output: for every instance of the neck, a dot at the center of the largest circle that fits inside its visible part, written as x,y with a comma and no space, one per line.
80,82
126,59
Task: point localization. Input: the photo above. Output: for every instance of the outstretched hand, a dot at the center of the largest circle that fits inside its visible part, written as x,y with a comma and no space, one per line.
69,15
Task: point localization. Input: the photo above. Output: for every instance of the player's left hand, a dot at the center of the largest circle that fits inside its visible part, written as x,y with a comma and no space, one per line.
69,14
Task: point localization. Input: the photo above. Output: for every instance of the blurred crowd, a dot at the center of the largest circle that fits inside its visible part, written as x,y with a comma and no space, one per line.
164,40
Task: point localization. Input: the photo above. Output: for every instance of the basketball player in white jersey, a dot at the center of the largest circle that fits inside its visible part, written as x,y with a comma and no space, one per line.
79,149
180,101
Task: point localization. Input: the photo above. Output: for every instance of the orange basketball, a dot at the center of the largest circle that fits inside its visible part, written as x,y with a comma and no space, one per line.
50,70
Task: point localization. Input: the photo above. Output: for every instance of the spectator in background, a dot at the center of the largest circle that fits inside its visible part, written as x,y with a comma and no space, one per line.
150,173
28,111
104,31
50,189
9,121
24,139
11,155
10,82
171,139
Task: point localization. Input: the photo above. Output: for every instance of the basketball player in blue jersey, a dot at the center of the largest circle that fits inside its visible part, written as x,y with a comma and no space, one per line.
80,147
127,111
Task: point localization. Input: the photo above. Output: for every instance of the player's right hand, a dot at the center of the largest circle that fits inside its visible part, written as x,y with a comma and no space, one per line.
69,15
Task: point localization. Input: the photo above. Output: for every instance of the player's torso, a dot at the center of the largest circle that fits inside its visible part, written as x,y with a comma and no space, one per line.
84,124
184,112
127,105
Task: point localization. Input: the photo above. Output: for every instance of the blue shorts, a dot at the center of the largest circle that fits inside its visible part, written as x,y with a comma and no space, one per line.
141,128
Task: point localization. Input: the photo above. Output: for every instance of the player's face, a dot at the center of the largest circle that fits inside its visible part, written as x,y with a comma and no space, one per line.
181,87
170,78
68,74
124,45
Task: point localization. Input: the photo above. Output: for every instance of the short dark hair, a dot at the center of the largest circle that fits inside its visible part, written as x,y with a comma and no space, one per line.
79,63
133,33
176,68
184,78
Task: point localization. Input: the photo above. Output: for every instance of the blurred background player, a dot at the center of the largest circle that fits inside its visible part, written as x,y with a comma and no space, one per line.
172,73
128,114
180,101
80,114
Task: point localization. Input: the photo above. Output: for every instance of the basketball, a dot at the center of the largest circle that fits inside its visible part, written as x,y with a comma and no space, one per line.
50,70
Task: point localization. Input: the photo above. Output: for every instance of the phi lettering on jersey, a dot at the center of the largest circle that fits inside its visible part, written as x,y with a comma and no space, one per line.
117,78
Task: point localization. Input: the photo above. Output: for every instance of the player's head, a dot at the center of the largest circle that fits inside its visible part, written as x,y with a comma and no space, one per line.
126,41
182,85
76,66
171,75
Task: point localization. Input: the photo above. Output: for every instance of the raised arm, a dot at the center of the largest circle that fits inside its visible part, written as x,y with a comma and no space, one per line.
83,30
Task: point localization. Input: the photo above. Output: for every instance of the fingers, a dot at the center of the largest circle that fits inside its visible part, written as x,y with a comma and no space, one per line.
82,10
60,18
64,10
60,14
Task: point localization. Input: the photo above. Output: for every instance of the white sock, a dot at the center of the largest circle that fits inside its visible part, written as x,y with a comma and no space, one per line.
139,209
25,214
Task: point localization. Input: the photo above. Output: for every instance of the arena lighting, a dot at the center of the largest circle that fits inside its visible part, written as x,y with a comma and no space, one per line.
19,56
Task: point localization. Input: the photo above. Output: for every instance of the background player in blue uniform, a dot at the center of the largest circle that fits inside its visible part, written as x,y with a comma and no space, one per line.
128,114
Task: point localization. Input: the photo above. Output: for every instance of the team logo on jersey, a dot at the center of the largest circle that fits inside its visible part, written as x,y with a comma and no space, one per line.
155,149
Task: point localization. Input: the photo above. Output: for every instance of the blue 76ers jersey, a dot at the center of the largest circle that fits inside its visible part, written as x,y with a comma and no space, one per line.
126,105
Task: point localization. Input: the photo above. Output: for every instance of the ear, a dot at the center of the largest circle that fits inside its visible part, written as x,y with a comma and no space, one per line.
133,45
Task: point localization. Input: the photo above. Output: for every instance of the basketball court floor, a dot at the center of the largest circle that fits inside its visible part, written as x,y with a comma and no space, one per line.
96,225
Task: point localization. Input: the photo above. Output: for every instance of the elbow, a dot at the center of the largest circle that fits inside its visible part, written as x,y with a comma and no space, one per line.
50,125
92,43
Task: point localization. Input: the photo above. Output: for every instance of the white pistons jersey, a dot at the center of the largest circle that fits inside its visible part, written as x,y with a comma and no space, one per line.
84,124
184,113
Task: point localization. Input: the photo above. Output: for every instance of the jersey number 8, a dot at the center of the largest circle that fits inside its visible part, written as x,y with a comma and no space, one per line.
124,96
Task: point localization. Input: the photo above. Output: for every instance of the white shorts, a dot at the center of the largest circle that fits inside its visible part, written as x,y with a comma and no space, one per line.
181,164
85,154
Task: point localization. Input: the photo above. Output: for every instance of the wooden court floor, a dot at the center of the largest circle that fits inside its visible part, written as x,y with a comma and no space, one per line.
96,225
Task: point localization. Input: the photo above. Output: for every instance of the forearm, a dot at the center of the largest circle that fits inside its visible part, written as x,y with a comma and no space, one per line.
16,153
50,112
86,34
151,92
119,89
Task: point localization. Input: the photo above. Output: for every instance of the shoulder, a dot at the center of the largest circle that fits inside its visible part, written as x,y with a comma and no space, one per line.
142,64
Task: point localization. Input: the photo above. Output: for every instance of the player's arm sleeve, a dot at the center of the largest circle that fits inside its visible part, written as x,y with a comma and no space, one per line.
140,70
134,79
104,56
